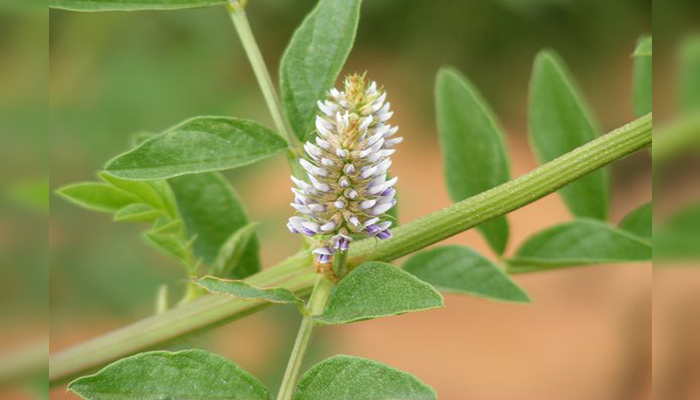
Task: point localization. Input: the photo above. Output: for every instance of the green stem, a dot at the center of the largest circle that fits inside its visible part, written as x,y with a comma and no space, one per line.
295,273
317,303
240,22
509,196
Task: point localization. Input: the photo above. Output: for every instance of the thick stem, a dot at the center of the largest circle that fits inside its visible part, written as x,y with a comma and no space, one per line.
507,197
296,273
240,22
316,305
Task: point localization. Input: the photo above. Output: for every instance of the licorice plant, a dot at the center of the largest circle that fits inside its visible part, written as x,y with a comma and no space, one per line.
339,141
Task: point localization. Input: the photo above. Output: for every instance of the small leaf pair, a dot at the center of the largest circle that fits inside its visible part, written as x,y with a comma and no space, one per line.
202,201
372,290
473,146
127,200
198,374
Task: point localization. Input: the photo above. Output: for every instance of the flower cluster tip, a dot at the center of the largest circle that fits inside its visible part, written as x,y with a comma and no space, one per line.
348,191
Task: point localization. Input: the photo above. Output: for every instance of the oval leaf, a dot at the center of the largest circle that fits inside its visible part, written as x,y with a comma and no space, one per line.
374,290
312,61
212,212
231,252
461,270
558,123
138,212
474,156
354,378
197,145
130,5
641,83
579,242
97,196
638,222
188,374
246,291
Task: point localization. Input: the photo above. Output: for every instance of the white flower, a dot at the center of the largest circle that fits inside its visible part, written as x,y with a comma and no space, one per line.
347,193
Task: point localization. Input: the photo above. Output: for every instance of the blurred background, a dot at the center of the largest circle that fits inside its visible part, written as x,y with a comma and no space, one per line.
112,75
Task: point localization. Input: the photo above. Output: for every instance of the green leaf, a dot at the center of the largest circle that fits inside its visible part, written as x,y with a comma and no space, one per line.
97,196
558,123
188,374
138,212
641,83
315,55
130,5
374,290
212,212
643,48
197,145
232,250
638,222
579,242
461,270
150,192
167,195
474,155
243,290
354,378
168,226
169,243
139,137
689,77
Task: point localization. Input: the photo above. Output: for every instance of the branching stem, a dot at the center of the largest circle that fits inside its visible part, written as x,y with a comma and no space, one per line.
296,272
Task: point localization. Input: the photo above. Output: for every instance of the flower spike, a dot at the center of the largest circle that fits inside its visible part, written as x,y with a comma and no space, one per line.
347,193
